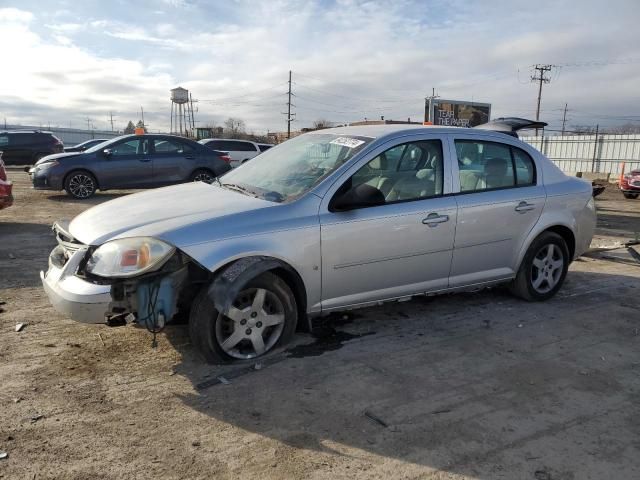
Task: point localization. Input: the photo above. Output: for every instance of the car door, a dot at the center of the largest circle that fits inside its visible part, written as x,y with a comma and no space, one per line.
173,160
401,247
500,199
126,164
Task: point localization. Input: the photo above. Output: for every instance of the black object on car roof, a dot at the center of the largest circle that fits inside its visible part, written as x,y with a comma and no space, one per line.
510,125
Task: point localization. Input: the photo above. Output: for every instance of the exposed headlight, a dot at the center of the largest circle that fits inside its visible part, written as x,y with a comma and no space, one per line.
591,204
129,257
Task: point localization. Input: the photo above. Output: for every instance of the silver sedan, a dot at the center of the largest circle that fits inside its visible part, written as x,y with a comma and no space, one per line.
330,220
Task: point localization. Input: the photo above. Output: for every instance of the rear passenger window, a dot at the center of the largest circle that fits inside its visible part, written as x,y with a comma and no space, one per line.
4,140
525,170
411,171
484,165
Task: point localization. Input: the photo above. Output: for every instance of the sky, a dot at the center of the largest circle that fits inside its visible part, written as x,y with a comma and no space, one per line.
70,63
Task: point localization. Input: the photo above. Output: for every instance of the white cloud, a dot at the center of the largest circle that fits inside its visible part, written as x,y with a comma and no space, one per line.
15,15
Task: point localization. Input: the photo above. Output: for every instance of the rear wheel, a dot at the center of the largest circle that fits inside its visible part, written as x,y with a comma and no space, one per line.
543,268
80,184
203,175
631,196
262,317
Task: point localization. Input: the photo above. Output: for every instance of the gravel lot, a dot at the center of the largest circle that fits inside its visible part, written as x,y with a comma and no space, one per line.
466,386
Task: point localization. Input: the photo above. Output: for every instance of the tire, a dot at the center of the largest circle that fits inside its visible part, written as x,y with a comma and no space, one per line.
245,160
202,175
209,330
543,269
630,196
80,184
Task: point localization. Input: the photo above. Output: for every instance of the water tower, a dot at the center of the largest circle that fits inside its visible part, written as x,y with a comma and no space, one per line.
182,120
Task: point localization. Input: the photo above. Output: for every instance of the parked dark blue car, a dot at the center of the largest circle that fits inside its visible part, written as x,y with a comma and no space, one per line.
130,161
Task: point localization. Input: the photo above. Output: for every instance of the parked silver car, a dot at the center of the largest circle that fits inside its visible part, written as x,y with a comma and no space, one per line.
330,220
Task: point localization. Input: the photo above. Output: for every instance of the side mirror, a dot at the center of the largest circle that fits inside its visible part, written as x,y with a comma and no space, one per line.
362,196
107,152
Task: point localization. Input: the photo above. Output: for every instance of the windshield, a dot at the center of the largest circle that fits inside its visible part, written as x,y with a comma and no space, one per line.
291,169
101,145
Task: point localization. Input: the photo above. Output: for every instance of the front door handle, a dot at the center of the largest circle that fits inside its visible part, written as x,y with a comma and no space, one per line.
524,207
433,219
144,160
190,157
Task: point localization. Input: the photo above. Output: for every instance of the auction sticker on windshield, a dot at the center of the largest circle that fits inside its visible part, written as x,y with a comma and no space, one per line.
347,142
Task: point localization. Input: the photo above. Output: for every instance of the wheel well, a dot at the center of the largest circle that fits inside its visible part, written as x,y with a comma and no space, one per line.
293,280
76,170
567,236
295,283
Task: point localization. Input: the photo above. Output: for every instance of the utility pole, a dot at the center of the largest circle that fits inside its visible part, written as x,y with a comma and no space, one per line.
111,119
564,118
539,77
428,105
142,114
289,105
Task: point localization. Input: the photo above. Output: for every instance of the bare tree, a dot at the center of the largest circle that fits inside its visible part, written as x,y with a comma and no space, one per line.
234,127
627,128
322,123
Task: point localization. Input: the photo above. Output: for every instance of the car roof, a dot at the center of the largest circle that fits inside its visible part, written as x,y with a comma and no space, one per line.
380,131
226,140
26,131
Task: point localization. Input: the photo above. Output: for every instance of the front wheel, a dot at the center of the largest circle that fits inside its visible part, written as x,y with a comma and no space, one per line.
630,196
80,185
543,268
262,317
203,175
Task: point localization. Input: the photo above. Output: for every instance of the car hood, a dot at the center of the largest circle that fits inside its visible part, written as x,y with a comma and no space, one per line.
159,212
57,156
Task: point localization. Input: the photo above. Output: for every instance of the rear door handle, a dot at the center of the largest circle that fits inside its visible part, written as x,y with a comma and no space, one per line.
524,207
190,157
433,219
144,160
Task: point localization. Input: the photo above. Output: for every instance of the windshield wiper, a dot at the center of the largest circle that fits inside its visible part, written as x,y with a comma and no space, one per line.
239,188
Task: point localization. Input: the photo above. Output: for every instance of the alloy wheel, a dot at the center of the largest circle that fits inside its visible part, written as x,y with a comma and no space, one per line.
81,186
253,324
547,268
203,177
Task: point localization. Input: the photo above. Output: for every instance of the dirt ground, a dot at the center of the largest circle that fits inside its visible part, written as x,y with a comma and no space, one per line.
466,386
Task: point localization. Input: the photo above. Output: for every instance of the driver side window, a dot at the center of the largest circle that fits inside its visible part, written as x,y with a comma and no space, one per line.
410,171
136,146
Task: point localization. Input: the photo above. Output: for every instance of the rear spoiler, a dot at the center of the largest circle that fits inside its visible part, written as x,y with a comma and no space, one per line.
510,125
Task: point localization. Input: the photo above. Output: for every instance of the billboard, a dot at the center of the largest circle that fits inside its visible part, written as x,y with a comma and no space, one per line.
456,113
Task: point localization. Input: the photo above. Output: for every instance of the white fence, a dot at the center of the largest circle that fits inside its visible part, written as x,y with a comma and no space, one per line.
588,153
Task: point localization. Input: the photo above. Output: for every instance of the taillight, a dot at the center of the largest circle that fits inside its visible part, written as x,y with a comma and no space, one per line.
226,158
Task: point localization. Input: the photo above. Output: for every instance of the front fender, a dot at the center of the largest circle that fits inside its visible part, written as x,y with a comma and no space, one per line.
295,249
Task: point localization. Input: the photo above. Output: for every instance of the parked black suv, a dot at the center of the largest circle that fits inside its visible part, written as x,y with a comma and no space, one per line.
22,147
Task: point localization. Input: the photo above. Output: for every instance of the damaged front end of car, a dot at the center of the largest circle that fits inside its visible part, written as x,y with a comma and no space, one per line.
140,280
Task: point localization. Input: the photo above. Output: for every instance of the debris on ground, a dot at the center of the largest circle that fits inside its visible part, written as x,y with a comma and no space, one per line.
3,455
36,417
20,326
375,418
